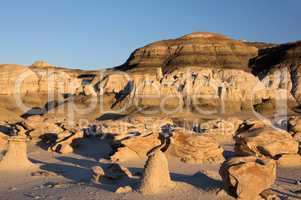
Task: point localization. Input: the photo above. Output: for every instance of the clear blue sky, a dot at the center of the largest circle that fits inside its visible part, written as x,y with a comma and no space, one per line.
98,33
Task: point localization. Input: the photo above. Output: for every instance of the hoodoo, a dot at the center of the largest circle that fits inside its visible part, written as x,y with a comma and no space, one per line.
156,176
16,158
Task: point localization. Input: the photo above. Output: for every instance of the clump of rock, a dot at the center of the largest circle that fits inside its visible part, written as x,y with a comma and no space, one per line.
97,174
247,177
271,143
67,144
112,172
195,148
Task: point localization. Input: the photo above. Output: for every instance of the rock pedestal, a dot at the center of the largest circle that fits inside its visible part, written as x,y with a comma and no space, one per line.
156,178
15,158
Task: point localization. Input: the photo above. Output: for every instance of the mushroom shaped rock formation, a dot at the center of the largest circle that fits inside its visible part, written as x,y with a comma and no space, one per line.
156,178
247,177
15,159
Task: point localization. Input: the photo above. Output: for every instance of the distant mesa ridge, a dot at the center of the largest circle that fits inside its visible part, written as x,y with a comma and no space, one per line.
213,57
201,49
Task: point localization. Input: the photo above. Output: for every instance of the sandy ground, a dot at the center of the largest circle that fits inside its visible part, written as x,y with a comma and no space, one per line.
70,177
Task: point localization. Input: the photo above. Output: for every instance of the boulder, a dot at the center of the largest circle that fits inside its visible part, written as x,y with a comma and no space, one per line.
289,160
39,126
34,121
97,174
113,172
194,148
247,177
123,154
136,147
156,178
67,144
269,195
265,142
125,189
116,171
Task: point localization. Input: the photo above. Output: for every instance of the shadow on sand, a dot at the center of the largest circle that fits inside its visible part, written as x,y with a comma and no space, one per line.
79,170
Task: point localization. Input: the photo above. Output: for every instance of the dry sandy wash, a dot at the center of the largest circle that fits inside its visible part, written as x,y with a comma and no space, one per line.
201,117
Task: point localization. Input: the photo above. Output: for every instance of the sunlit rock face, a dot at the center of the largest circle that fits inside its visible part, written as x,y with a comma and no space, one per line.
200,49
204,70
17,78
193,86
39,78
279,68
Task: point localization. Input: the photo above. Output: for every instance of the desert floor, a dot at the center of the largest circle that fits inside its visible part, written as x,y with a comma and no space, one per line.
68,177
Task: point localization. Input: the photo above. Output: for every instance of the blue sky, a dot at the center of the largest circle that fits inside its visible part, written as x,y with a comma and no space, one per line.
97,33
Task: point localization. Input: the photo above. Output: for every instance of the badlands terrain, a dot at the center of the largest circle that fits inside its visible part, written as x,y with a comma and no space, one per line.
202,116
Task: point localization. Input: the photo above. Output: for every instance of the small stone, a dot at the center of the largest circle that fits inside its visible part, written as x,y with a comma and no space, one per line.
125,189
12,189
269,195
116,171
97,174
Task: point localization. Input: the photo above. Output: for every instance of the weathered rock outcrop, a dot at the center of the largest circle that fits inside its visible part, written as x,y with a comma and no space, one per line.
279,68
206,70
137,136
203,89
247,177
39,78
39,126
208,50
